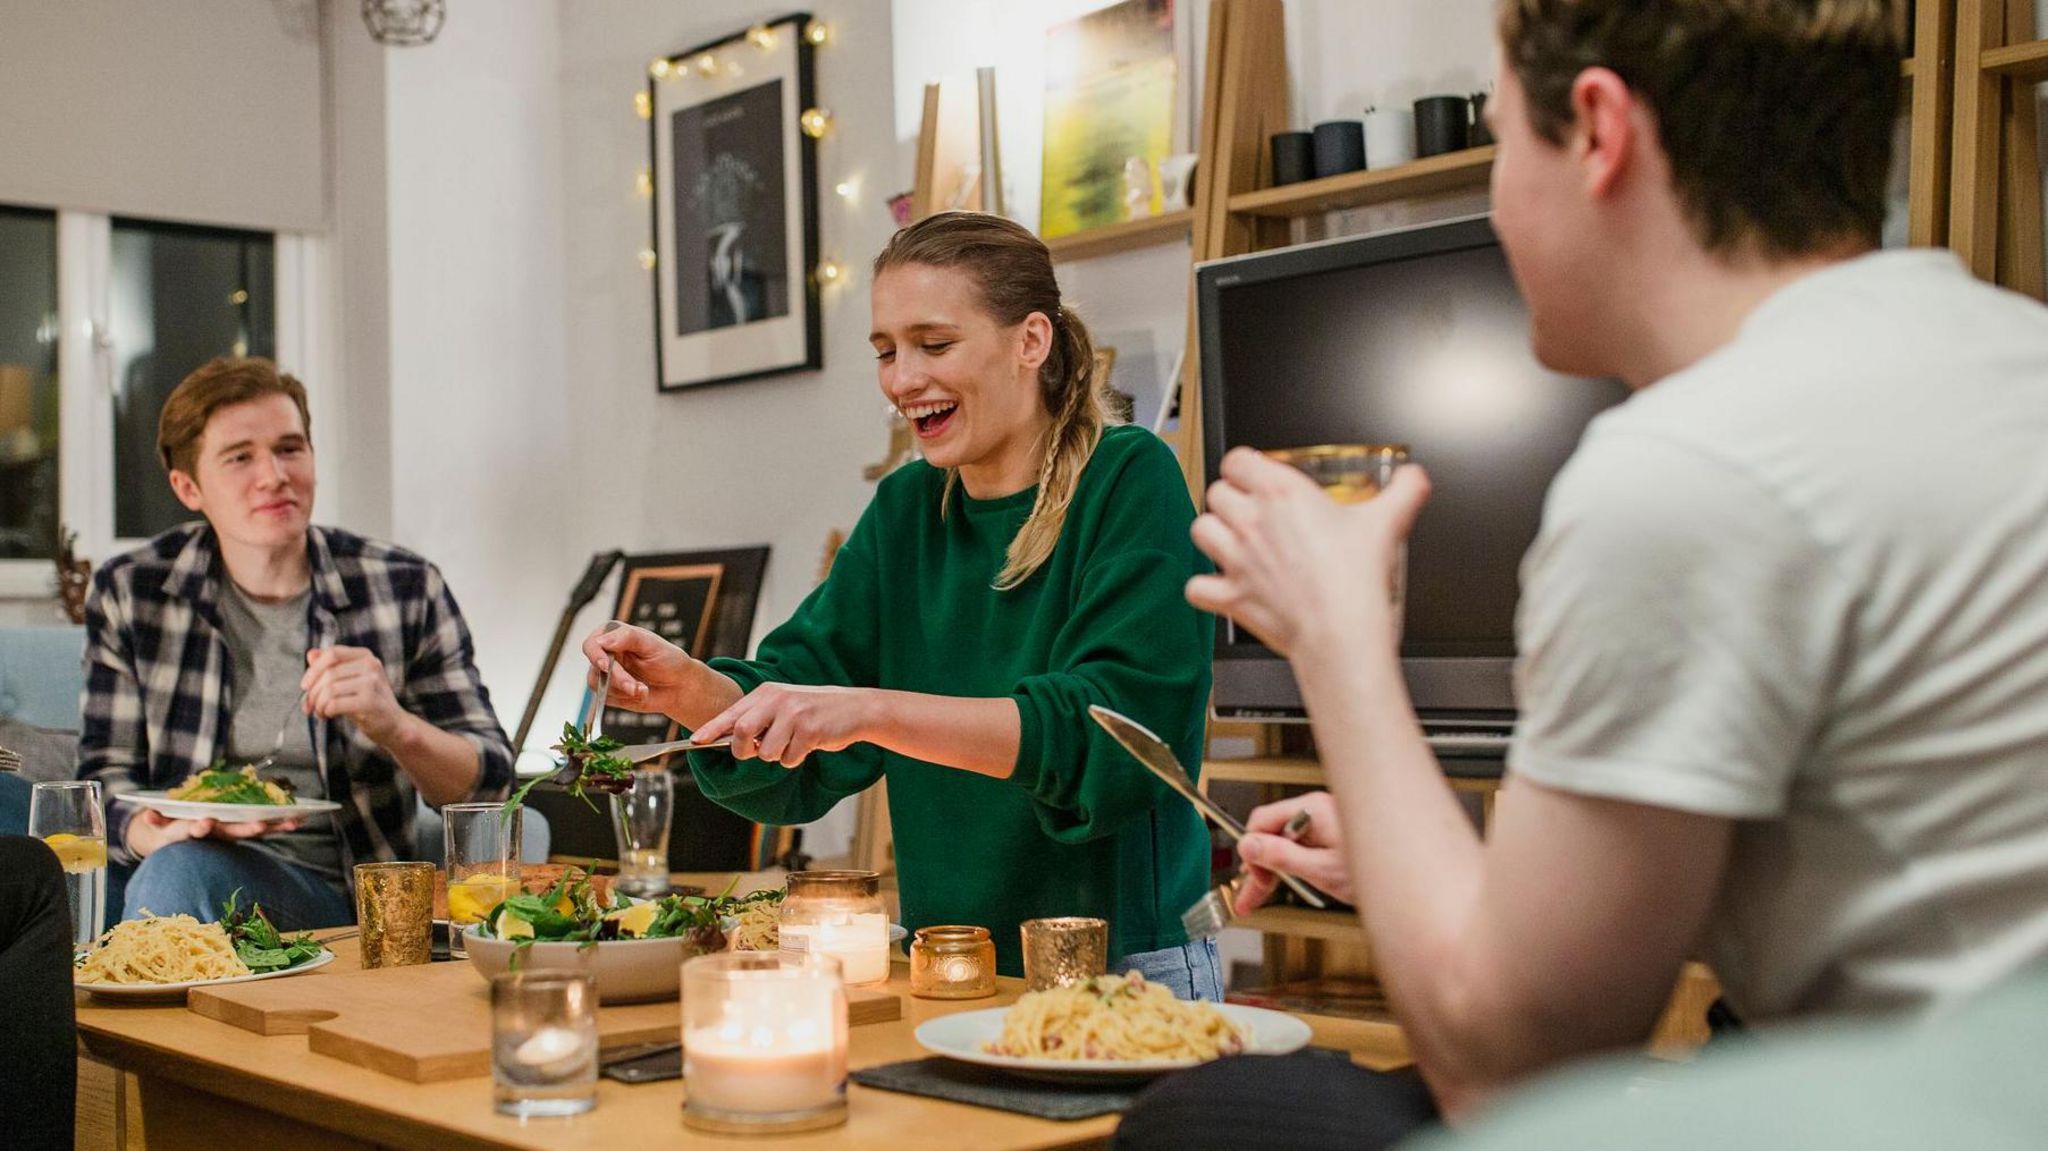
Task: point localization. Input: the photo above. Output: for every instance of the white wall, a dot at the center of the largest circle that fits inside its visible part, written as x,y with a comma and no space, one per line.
773,461
484,477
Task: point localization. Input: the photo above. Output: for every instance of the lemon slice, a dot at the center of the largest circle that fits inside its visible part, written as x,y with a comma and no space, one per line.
471,898
78,853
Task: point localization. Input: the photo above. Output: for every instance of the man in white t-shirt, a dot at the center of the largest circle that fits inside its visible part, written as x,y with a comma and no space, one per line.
1784,632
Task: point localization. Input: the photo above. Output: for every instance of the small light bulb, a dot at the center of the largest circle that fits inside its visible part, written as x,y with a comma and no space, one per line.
762,36
643,105
659,69
844,189
816,122
240,297
647,259
816,32
643,184
831,272
707,65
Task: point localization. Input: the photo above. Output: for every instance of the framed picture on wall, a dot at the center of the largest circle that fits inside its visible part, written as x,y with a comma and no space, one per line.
735,208
701,601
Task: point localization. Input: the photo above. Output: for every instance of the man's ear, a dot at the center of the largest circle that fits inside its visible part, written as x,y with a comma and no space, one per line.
187,490
1606,131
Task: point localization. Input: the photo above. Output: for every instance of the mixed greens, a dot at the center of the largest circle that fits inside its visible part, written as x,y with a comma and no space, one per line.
572,912
596,768
257,942
223,784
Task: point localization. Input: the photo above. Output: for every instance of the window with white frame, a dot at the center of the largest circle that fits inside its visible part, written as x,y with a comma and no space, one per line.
100,317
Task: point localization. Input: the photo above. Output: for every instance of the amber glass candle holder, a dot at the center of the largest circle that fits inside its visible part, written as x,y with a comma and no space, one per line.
952,963
1063,950
840,914
395,909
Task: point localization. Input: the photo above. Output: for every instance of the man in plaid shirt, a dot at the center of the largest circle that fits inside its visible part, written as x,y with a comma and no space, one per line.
255,633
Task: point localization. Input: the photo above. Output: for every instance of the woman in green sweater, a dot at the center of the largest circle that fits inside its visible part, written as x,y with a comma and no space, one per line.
1030,565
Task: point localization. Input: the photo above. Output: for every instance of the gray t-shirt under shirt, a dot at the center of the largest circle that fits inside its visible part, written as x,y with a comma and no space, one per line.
267,642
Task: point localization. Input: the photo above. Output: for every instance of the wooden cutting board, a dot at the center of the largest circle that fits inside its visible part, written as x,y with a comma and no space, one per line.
431,1023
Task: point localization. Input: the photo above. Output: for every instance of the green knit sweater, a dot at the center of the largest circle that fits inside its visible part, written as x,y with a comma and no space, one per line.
1080,828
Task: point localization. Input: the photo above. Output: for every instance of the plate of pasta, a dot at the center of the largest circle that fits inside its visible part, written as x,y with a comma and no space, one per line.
231,795
1110,1027
164,956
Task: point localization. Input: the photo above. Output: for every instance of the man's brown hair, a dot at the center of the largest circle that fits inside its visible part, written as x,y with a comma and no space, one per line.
1777,115
221,383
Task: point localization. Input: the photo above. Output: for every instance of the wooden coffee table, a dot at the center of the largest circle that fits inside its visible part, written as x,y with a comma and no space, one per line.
165,1078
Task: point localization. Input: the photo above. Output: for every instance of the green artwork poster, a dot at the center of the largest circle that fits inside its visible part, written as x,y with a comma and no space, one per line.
1109,80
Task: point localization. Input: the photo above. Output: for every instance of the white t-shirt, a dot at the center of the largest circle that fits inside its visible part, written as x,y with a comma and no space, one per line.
1804,584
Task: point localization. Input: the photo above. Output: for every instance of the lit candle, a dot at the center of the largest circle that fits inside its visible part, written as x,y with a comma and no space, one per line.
762,1071
859,941
954,962
764,1042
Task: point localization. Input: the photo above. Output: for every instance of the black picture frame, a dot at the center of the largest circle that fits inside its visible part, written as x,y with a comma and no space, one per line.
735,209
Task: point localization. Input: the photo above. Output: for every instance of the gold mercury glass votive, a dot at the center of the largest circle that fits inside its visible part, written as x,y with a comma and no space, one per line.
1063,950
395,909
952,963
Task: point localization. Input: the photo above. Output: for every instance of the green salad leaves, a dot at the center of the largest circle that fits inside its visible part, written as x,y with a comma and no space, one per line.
257,942
596,768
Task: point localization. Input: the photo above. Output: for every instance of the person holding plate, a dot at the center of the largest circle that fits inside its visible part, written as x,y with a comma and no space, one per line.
1029,566
253,633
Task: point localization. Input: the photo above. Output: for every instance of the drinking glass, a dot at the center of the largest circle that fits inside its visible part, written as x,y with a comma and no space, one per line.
543,1043
641,818
1067,949
482,842
395,908
1353,474
68,816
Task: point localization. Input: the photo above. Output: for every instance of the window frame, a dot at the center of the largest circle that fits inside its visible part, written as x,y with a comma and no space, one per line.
86,358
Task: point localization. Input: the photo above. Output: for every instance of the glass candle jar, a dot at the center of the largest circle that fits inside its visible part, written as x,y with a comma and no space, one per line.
764,1042
838,913
952,963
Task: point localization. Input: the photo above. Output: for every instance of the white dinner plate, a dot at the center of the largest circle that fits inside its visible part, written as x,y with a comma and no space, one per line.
227,812
178,990
962,1037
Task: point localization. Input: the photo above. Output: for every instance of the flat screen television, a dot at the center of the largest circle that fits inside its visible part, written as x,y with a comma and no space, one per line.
1420,337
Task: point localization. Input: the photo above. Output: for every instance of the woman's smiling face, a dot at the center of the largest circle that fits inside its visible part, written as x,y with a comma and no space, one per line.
967,383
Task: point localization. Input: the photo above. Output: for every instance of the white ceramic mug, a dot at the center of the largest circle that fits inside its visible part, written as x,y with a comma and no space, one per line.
1389,137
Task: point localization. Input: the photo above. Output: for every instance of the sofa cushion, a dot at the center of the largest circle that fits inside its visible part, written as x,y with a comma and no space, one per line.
46,753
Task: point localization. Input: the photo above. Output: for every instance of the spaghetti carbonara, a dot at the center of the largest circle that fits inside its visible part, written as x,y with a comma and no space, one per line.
160,949
756,928
1119,1017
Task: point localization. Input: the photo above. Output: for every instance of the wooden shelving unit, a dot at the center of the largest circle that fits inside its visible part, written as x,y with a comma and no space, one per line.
1451,172
2020,63
1278,770
1332,926
1130,236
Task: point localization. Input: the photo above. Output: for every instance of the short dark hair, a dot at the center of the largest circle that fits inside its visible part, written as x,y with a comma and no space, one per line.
1777,115
221,383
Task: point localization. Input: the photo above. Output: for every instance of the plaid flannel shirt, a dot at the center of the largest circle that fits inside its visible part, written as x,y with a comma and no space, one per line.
159,688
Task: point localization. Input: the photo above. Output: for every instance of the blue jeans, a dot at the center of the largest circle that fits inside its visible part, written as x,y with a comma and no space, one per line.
1191,971
195,876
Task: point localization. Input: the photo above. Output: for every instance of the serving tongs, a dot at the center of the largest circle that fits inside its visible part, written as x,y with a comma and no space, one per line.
1159,759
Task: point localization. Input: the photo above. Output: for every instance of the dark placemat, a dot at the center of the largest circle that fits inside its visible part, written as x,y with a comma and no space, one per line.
950,1079
940,1078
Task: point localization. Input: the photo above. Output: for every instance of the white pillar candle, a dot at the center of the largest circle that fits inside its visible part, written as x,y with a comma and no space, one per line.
859,941
761,1070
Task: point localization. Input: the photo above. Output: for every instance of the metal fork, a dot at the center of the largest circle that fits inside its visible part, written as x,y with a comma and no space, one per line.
283,725
590,720
1217,909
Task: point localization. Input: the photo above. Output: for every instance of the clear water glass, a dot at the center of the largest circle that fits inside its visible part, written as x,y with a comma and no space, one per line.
642,817
482,853
69,817
543,1043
